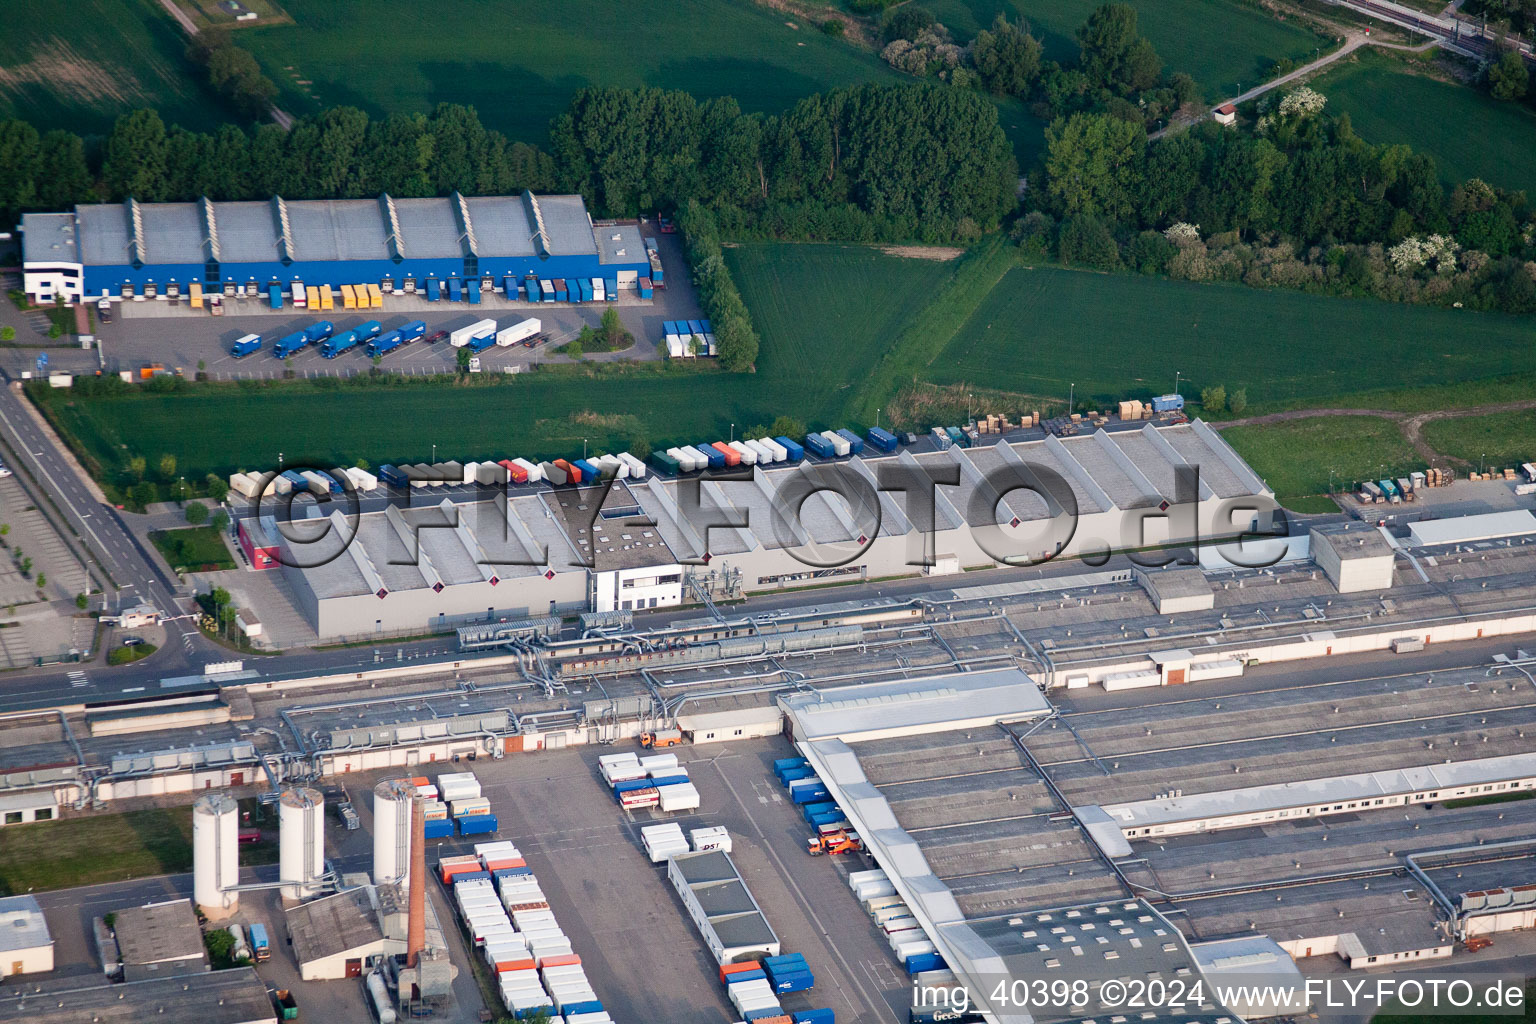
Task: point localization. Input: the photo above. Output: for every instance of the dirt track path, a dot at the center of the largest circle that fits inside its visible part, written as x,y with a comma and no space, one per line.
1411,424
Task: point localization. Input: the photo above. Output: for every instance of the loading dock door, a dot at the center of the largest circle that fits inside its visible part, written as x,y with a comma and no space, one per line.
1176,676
354,967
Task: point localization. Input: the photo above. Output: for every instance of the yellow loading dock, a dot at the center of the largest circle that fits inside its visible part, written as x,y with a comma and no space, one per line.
376,295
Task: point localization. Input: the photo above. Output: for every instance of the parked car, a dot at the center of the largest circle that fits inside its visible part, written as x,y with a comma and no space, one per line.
434,338
4,472
104,311
132,641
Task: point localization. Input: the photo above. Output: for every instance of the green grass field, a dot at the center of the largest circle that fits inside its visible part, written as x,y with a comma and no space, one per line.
825,312
1295,457
104,848
193,549
1114,336
78,66
1389,105
1222,43
1501,439
520,63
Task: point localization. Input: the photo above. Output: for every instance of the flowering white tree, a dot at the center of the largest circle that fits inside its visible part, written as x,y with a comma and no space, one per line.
1182,234
1303,102
1436,252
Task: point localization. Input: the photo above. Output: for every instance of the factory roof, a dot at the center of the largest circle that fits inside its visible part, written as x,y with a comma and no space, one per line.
380,228
22,925
608,527
158,932
916,704
225,997
333,925
49,238
1470,529
1093,942
1352,540
1359,788
619,243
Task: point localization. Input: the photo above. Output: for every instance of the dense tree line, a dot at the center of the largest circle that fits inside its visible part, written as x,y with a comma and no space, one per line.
736,341
339,153
892,162
1117,71
1301,201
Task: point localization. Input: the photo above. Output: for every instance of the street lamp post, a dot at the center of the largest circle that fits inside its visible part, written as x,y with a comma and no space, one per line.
434,453
1177,374
1071,397
733,433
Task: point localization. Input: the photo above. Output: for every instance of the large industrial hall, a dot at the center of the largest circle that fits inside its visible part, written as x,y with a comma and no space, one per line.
143,250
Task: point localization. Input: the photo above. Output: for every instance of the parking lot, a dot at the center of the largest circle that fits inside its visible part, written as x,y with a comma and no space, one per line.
643,954
178,336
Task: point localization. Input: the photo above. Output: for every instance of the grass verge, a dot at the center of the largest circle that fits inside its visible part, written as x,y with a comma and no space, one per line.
104,848
193,549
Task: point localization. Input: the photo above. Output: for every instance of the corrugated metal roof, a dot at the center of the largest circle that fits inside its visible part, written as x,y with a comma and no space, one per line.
103,234
247,232
567,226
327,230
501,226
428,228
173,233
338,229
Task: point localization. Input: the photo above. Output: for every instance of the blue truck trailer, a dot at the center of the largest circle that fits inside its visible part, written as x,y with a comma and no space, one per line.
882,439
473,288
392,477
434,289
455,290
442,828
1167,403
275,296
386,342
478,825
791,448
481,343
819,446
245,346
289,344
319,331
714,455
855,442
334,347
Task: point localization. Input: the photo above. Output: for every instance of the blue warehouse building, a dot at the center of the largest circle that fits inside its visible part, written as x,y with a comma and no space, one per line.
134,250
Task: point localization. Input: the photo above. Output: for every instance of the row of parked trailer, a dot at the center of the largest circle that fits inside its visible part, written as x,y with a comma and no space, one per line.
370,335
515,932
481,335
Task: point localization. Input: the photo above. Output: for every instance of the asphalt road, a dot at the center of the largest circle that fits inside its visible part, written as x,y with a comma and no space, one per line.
107,541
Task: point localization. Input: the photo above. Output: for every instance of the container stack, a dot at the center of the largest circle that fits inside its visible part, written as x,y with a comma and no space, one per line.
788,973
749,990
630,781
504,911
663,842
674,790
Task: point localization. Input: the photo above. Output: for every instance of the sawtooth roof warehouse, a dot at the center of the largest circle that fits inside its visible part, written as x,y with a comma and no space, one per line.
133,249
547,550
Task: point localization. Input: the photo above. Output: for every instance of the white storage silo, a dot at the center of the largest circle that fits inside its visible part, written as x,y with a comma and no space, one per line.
392,831
215,855
301,842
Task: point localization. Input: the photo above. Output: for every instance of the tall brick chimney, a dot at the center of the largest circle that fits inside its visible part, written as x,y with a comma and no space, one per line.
416,921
